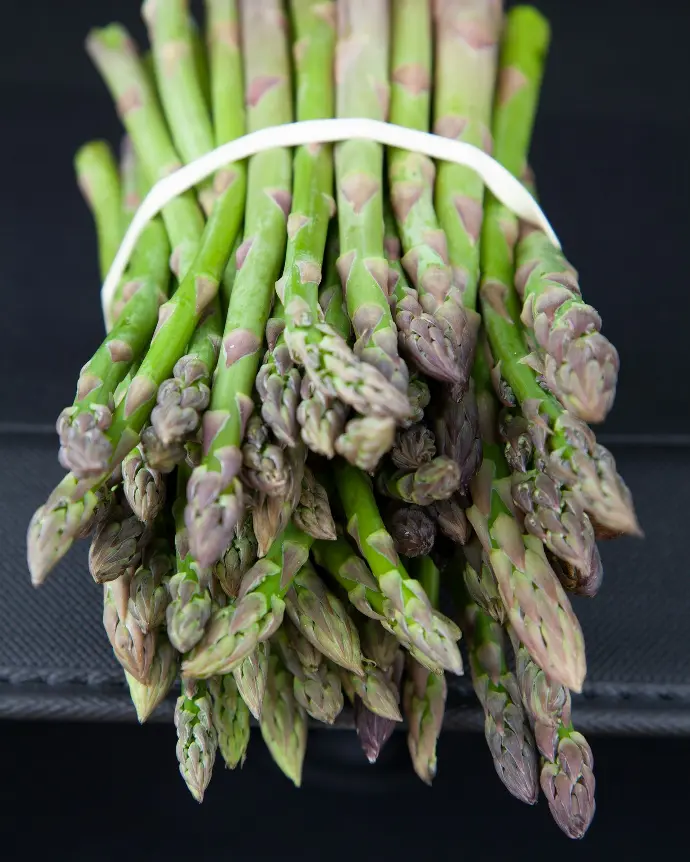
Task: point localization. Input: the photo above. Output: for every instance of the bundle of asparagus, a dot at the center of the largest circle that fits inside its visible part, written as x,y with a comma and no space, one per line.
323,305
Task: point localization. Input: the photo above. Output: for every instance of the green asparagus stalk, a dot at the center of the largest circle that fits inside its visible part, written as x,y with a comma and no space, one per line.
316,686
148,590
362,90
117,544
197,739
427,634
278,383
131,192
414,447
131,319
284,722
424,693
190,598
569,449
235,631
411,177
451,518
506,728
557,519
230,719
412,530
99,181
251,676
237,560
321,414
323,620
115,55
144,487
133,649
225,62
480,581
349,570
266,467
201,61
567,779
577,363
148,696
313,512
179,87
535,602
214,500
271,514
466,41
437,480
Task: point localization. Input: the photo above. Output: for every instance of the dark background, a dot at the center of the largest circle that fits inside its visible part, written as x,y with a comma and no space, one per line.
611,155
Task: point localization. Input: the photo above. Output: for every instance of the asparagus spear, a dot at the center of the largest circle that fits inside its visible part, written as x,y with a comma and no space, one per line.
362,91
143,486
437,480
466,41
271,514
131,318
480,581
117,544
412,530
190,599
506,728
197,739
99,182
313,512
578,364
451,518
214,500
557,519
569,449
514,431
283,722
411,177
251,676
114,54
429,635
266,467
132,648
278,383
456,427
230,718
316,686
535,602
424,693
322,619
321,414
148,696
237,560
179,87
566,776
148,589
414,447
234,631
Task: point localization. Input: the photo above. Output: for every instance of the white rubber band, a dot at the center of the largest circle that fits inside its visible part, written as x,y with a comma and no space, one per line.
501,182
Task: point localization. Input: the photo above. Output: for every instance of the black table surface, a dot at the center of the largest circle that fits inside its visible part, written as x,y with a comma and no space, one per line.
610,153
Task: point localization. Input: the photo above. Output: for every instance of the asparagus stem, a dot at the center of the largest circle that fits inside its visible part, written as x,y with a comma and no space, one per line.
215,501
362,90
568,447
447,324
230,719
466,39
235,631
179,87
132,186
99,181
197,739
323,620
430,636
567,779
190,607
115,56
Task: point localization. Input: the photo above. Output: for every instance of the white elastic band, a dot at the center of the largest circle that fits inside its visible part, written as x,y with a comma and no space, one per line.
501,182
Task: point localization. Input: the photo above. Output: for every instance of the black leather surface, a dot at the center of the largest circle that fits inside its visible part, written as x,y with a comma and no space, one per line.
610,153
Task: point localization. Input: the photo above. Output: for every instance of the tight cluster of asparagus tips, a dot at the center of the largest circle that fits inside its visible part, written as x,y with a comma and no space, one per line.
348,305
